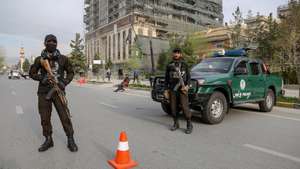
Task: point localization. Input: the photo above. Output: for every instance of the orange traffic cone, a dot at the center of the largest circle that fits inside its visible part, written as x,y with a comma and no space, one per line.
123,159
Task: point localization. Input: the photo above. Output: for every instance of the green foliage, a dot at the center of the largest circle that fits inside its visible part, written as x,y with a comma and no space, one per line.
236,35
191,45
26,65
2,62
288,99
108,64
77,58
136,59
266,35
163,59
288,41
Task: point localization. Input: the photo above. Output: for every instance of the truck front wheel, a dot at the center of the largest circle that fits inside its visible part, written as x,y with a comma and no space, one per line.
268,103
216,108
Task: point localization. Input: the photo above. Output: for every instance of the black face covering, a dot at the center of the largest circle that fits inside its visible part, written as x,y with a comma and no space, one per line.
51,47
50,43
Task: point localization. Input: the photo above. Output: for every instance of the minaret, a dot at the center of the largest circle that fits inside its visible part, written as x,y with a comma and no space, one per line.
22,58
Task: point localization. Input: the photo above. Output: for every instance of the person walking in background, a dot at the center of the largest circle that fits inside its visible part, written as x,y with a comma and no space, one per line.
135,76
108,74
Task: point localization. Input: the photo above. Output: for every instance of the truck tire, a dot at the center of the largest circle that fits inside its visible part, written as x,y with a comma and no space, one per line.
216,109
269,102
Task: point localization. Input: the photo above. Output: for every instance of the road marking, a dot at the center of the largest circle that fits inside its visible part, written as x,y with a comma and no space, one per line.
272,152
138,95
277,116
14,93
19,110
109,105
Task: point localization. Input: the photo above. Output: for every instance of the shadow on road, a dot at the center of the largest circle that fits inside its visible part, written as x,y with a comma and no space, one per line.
105,151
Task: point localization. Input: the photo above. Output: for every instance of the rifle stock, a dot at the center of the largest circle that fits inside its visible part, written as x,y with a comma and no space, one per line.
180,83
55,88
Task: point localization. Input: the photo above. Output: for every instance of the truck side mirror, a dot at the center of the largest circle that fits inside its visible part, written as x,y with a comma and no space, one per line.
240,71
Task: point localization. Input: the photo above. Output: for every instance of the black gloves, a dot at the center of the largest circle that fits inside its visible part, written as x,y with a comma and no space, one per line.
45,80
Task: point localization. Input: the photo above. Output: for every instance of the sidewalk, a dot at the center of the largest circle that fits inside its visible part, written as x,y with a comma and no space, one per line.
291,93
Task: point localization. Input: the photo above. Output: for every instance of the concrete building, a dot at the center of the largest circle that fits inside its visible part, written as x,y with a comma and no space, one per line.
113,26
283,10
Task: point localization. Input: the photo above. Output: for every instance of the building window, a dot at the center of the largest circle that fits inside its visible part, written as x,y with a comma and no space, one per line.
124,45
129,42
114,47
109,46
150,32
140,31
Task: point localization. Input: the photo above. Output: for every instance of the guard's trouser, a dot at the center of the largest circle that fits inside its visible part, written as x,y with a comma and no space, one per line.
180,98
45,109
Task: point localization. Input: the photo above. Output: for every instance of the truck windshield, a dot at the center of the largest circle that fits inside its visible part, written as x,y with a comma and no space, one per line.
219,65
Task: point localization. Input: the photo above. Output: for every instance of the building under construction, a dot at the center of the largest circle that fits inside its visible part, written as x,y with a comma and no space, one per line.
113,26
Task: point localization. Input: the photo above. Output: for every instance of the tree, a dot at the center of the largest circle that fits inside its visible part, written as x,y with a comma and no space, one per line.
77,58
108,63
136,59
250,14
1,62
289,38
191,45
236,35
266,35
26,65
2,57
163,60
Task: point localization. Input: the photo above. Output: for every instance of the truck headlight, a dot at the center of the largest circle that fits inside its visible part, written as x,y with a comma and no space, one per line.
201,81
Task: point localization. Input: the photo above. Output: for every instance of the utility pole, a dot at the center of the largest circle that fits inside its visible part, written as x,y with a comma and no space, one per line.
151,44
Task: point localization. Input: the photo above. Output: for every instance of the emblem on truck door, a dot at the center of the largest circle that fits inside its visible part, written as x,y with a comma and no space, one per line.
243,84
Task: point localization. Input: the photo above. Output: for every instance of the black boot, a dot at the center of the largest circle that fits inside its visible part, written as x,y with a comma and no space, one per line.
47,144
189,127
175,125
71,144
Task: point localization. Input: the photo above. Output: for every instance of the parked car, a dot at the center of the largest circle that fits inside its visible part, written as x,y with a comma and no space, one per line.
221,82
14,74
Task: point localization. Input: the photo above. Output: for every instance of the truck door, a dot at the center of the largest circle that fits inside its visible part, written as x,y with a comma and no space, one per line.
240,84
256,81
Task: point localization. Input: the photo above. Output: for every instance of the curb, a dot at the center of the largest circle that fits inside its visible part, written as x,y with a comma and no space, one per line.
140,88
95,82
288,105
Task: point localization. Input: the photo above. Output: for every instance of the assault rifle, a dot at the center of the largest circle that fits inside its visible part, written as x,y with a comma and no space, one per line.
54,87
180,83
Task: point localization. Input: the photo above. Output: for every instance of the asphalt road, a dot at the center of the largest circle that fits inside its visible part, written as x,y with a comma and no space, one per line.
247,139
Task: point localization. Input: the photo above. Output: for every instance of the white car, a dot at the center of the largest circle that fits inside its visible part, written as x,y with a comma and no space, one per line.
14,74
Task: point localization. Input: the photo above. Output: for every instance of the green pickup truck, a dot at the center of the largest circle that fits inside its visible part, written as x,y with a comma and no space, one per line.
223,81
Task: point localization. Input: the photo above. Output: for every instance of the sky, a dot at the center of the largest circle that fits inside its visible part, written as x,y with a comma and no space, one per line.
26,22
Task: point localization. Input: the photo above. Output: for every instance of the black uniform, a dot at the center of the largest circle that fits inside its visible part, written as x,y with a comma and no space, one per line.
63,73
177,96
63,70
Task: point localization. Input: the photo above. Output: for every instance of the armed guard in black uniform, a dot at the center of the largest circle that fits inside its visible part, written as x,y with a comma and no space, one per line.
177,81
61,69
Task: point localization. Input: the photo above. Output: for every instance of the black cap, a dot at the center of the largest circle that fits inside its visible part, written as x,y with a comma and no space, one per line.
177,50
50,37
